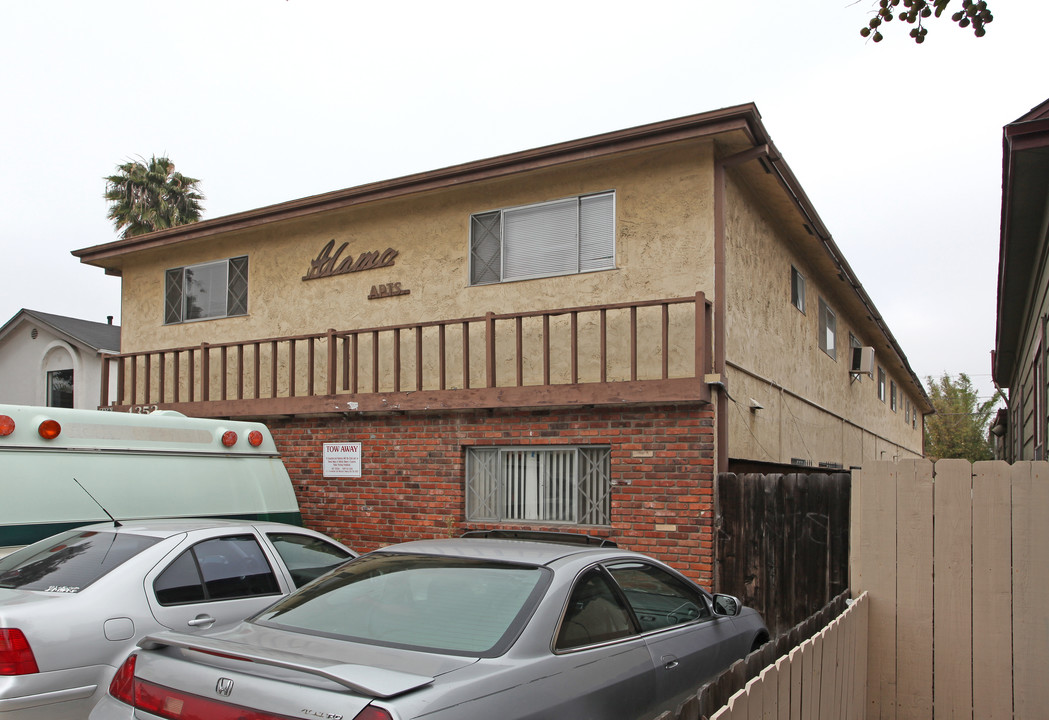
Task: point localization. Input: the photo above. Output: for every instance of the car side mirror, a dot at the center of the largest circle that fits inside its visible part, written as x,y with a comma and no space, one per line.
727,605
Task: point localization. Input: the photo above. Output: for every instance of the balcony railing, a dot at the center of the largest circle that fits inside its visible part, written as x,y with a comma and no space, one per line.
651,351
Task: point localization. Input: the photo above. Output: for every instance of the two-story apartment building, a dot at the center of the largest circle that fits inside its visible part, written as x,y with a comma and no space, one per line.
1019,361
577,335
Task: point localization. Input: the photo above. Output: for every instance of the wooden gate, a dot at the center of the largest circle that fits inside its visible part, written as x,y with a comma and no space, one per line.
783,542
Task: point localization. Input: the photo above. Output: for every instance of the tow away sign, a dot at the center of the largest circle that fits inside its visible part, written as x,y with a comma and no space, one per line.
342,460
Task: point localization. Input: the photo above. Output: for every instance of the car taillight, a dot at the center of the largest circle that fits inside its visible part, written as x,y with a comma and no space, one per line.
123,685
229,438
373,713
255,438
7,425
16,657
168,703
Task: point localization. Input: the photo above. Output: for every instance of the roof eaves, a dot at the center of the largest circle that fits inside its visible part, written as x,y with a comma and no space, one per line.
1028,133
741,117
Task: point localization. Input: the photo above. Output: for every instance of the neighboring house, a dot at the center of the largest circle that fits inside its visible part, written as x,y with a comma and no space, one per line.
578,335
1019,361
54,360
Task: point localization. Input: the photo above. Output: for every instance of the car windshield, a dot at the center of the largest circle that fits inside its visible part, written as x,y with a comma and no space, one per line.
439,604
71,561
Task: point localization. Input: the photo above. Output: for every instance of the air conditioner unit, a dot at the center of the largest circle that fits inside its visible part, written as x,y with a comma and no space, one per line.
861,361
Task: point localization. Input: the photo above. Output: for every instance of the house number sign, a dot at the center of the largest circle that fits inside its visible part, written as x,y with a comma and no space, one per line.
326,264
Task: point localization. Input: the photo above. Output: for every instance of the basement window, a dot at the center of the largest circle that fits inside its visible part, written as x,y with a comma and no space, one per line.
553,484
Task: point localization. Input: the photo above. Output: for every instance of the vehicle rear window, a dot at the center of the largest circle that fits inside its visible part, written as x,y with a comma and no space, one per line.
434,603
70,562
307,557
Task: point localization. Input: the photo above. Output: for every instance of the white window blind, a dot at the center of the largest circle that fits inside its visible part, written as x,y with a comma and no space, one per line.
562,237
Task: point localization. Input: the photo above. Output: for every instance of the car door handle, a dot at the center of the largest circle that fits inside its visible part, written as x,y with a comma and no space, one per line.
201,621
669,662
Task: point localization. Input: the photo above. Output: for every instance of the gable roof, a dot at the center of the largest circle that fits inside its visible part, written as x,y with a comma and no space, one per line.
102,337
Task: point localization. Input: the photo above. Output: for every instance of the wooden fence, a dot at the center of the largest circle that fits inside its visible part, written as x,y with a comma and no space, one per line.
782,543
955,558
813,671
824,678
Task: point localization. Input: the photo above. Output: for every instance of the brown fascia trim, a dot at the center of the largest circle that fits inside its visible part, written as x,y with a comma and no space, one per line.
741,117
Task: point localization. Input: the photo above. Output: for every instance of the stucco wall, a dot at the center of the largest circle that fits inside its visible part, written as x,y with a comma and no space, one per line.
664,228
813,409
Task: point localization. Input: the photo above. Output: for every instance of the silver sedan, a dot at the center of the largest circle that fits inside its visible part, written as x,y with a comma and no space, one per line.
74,605
467,629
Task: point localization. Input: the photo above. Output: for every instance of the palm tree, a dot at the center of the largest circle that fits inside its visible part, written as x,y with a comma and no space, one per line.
146,197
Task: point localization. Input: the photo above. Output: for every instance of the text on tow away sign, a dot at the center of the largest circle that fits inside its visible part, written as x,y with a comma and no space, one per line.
342,460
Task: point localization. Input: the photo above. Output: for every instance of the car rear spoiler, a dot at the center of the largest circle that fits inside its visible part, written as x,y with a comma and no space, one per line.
550,536
370,681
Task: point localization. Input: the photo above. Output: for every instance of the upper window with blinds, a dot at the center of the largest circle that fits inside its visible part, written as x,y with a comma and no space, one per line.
563,237
209,290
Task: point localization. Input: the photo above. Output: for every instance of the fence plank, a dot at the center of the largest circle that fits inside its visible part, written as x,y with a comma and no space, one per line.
828,674
914,596
952,568
797,681
755,699
992,563
873,568
860,689
1030,589
783,687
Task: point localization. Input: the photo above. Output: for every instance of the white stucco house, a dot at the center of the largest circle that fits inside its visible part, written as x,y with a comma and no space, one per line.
54,360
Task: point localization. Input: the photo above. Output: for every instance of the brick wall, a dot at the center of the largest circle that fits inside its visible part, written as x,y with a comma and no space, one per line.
412,487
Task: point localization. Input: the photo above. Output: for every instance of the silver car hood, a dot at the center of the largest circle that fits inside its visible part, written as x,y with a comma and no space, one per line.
366,669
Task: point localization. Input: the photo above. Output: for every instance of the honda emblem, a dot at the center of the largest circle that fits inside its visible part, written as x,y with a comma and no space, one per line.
224,687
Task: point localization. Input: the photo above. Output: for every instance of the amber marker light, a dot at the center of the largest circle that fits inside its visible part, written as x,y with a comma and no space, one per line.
229,438
7,425
254,438
49,429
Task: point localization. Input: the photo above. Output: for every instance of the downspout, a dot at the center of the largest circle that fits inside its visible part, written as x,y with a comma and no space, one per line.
720,300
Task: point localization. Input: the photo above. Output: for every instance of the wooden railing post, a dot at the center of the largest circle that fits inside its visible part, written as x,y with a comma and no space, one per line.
489,349
161,385
311,343
396,359
702,351
149,378
205,372
223,379
291,367
103,398
333,359
134,380
120,380
177,375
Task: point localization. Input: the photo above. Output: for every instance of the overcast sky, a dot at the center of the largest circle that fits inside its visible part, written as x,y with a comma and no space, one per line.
898,146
